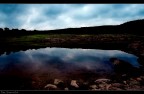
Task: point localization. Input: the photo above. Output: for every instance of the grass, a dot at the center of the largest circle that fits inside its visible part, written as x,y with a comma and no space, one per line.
100,41
66,39
66,36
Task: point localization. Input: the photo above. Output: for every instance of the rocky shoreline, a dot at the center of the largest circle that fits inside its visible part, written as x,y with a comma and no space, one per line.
135,83
133,79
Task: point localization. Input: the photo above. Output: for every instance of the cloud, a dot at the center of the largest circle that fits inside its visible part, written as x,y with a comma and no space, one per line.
9,14
57,16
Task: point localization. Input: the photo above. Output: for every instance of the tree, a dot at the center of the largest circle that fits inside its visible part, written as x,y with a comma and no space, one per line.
1,29
23,30
35,30
6,29
14,29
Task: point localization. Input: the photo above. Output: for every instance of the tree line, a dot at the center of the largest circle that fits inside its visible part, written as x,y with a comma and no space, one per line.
7,29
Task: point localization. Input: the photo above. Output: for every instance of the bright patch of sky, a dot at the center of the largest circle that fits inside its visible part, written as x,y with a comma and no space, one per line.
58,16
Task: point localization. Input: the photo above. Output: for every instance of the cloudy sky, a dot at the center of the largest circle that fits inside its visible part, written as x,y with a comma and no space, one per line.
58,16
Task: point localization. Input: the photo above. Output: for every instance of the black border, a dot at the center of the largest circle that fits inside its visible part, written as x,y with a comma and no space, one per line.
71,1
68,2
65,92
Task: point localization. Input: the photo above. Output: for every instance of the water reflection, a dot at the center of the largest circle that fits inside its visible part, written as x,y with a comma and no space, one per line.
63,60
27,69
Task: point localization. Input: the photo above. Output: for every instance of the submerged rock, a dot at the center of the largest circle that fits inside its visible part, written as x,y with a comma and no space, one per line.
121,66
124,70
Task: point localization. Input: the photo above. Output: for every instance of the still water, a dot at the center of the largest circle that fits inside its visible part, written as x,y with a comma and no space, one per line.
63,60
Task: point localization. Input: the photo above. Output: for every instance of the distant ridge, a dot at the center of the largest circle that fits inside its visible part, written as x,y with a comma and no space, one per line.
138,21
130,27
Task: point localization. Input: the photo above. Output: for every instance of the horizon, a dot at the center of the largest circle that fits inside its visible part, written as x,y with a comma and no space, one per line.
63,16
65,28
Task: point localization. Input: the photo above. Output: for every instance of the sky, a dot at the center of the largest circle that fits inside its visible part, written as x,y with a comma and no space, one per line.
59,16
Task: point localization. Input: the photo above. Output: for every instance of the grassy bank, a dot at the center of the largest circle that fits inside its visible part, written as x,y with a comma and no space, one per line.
67,39
70,40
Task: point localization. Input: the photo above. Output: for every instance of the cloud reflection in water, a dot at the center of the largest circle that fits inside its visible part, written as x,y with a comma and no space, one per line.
64,60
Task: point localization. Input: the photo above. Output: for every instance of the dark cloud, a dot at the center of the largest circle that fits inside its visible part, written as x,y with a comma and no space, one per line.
10,12
54,16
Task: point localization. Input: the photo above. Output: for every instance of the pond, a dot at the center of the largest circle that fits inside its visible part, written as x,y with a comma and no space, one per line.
37,67
63,60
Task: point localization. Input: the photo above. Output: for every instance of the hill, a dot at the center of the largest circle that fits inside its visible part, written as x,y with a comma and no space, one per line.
131,27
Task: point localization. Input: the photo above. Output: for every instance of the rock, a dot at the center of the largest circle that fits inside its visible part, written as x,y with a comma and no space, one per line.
74,84
108,86
115,88
124,75
60,84
138,79
142,77
85,83
93,87
134,82
125,82
84,86
119,85
134,87
66,88
101,86
131,79
142,87
126,85
51,87
57,81
104,86
102,81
